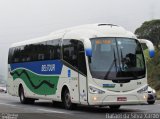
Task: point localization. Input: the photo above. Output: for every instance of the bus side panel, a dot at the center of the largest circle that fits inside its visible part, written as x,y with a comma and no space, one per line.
40,83
40,78
68,78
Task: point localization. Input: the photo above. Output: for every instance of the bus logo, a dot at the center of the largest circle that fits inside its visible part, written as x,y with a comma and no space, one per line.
109,85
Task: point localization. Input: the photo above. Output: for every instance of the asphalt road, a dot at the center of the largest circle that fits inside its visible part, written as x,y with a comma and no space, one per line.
11,107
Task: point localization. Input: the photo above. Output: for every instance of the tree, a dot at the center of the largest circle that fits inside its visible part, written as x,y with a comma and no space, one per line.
150,30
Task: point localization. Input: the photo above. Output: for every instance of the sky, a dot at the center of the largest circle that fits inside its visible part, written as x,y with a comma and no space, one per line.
26,19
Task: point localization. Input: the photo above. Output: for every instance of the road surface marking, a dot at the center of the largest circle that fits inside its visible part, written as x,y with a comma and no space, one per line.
7,104
45,110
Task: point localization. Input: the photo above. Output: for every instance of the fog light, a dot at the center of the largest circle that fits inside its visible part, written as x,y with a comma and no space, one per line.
145,96
94,98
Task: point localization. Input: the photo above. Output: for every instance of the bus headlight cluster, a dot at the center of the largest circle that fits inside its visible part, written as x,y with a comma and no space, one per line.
144,89
94,90
154,91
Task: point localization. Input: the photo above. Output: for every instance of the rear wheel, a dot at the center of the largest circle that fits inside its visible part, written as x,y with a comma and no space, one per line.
67,100
114,107
22,97
30,101
23,100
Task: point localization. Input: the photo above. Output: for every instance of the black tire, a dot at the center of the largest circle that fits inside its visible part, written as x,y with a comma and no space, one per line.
67,100
30,101
151,102
56,103
114,107
23,99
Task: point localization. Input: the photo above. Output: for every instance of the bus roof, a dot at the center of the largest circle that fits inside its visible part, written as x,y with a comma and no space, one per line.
89,31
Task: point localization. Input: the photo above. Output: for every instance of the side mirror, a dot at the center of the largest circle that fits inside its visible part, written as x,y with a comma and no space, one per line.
89,52
88,47
149,45
151,54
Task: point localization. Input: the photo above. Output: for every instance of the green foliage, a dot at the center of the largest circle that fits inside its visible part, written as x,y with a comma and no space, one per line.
153,67
150,30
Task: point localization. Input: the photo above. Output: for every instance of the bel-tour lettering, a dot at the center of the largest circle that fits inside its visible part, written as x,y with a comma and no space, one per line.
48,67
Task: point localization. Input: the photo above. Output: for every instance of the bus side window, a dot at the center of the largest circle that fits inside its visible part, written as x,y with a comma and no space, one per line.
16,57
70,52
81,58
53,49
10,56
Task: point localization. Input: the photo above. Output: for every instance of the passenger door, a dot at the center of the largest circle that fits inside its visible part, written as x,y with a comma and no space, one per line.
82,76
70,61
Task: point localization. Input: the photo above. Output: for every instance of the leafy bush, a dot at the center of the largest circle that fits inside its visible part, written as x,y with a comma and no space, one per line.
153,70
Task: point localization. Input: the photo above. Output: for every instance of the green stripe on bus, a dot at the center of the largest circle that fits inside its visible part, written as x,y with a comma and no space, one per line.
38,84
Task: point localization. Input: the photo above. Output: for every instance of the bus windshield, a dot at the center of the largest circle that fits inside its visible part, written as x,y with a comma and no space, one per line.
117,58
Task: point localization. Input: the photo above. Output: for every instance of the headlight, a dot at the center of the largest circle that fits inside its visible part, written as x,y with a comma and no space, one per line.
143,90
154,91
94,90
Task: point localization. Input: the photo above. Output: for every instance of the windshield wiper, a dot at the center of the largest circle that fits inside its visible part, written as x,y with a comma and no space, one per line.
113,63
122,60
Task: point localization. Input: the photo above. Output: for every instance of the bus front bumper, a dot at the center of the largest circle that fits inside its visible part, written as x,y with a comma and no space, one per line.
118,100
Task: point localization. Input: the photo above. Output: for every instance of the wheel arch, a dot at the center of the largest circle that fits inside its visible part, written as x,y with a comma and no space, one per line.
65,87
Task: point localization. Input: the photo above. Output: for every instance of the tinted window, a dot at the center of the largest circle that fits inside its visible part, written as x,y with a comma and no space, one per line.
53,49
17,54
81,58
10,54
70,52
48,50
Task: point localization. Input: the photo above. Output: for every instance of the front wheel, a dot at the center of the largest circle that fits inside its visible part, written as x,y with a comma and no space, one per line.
151,102
67,100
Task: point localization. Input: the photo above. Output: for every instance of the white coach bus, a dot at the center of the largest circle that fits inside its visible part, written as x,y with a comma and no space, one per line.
97,64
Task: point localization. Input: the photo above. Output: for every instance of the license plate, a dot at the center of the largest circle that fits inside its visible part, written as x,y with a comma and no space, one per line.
121,98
